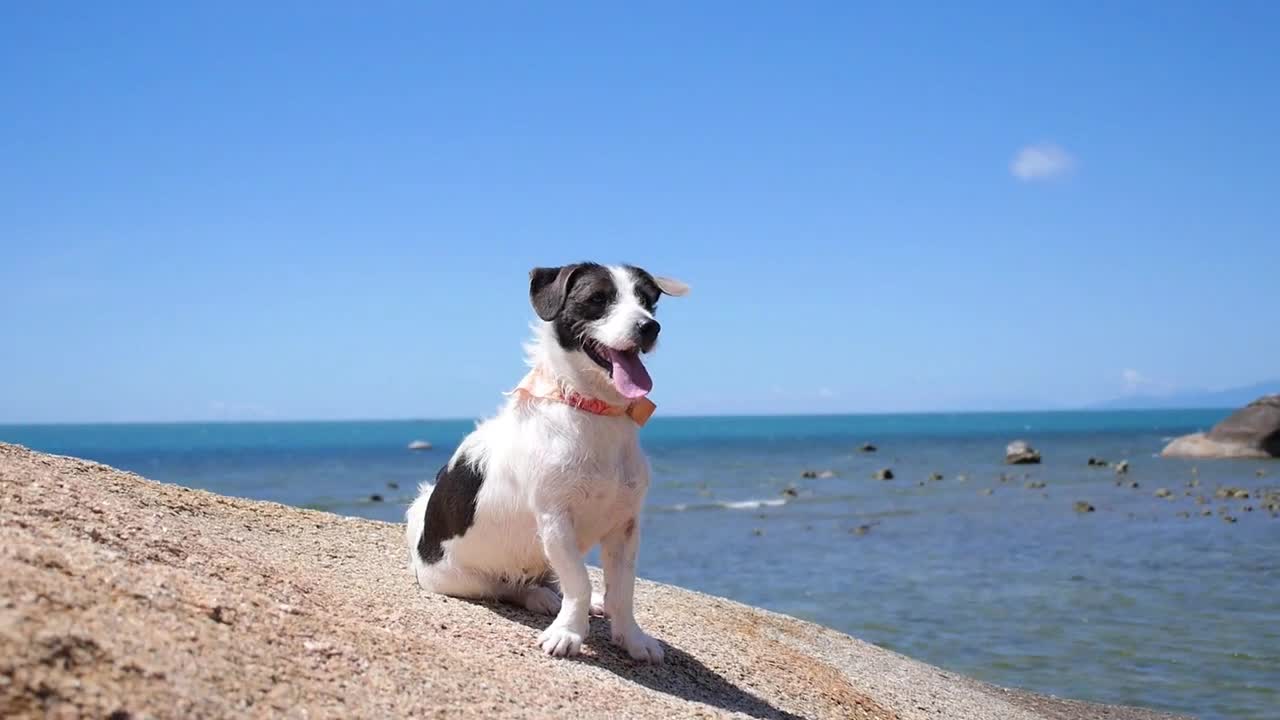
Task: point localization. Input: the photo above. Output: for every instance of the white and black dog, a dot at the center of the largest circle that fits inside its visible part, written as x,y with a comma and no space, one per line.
559,469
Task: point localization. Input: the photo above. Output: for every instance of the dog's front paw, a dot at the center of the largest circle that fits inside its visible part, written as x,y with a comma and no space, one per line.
561,641
639,645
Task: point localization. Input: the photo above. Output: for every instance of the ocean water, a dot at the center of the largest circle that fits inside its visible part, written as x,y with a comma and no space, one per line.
1142,601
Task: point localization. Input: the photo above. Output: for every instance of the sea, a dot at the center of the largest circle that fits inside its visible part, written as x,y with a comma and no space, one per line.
1064,578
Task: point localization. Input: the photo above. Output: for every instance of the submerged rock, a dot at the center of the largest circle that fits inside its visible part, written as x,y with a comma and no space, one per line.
1083,507
867,448
1251,431
861,530
790,492
375,498
935,476
1097,462
1232,493
884,474
1122,467
1035,484
1019,452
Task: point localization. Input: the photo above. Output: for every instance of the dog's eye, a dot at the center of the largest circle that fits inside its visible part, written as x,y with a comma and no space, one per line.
599,298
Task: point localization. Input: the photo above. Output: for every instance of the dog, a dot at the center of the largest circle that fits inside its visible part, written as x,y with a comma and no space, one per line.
559,469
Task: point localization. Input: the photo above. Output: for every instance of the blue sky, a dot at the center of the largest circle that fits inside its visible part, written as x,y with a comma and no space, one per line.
258,211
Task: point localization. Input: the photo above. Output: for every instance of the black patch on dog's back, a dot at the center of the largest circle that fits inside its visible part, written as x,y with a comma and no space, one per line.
451,510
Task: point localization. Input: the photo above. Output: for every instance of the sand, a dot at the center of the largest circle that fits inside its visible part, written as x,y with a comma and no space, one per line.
122,597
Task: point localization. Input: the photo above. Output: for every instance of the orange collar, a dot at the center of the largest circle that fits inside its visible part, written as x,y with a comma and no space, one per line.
539,385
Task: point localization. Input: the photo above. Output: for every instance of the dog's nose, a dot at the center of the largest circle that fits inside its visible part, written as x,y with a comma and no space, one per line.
649,331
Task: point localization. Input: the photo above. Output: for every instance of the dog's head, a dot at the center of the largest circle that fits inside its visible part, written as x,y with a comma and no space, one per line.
602,318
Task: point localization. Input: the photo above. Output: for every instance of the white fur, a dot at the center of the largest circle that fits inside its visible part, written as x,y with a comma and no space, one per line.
557,482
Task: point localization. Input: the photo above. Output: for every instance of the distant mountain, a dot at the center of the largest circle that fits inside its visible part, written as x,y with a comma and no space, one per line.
1230,398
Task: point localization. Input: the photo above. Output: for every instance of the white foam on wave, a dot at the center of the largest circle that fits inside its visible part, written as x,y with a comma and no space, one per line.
752,504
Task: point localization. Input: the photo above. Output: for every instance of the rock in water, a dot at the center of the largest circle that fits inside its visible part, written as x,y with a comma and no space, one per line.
1019,452
867,448
1122,467
1252,431
1083,507
885,474
826,474
419,445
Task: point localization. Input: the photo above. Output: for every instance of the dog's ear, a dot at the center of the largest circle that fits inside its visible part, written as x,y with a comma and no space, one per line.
671,286
548,288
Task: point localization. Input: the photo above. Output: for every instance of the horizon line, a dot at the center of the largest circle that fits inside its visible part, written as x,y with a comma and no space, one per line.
677,416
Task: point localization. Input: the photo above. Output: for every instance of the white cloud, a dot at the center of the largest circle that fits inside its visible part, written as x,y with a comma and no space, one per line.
1042,161
1134,380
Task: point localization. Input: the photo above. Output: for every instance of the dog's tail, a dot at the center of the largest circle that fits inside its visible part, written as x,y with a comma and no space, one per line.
416,519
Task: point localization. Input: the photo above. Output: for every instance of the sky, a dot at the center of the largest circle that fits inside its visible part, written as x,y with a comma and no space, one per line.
257,211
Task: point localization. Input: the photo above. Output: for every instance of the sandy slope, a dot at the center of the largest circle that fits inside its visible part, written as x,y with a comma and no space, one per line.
121,595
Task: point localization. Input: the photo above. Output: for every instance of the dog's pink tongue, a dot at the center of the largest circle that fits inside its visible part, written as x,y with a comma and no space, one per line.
629,375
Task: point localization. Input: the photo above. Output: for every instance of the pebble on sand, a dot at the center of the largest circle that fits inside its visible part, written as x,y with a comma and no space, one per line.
419,445
1083,507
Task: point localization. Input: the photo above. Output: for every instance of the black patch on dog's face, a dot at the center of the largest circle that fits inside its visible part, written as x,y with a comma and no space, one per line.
572,297
646,288
451,510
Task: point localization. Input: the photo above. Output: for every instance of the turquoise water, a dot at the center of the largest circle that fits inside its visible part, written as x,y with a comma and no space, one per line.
976,572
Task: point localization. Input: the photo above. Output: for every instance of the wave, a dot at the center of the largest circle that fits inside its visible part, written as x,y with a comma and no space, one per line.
721,505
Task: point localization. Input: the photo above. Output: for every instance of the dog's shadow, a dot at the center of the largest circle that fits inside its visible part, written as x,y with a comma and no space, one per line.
681,675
